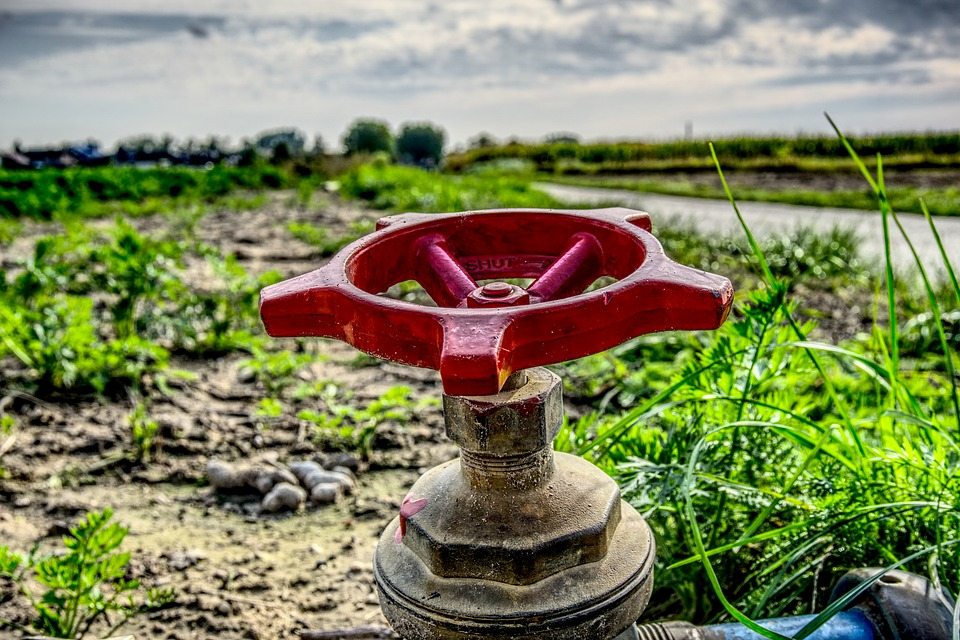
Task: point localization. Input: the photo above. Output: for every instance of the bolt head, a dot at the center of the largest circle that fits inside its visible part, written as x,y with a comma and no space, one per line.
497,294
496,289
514,422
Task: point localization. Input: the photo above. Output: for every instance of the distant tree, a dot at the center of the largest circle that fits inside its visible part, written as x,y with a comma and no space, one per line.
368,136
562,137
481,141
215,144
281,153
248,154
420,143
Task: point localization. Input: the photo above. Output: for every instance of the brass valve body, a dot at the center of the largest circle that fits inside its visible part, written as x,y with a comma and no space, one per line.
514,540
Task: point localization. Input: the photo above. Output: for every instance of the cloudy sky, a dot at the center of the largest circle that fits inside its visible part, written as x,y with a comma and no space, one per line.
600,68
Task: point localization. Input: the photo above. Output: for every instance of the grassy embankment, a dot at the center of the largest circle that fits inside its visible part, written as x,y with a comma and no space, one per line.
767,460
940,201
665,167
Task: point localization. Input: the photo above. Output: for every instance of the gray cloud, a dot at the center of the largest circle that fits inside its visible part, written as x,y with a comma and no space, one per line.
871,76
235,62
29,35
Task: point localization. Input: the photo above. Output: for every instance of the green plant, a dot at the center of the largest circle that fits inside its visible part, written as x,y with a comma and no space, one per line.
802,152
92,192
8,436
85,584
355,427
93,310
269,408
802,255
143,432
276,370
217,319
59,344
409,189
921,334
9,230
321,238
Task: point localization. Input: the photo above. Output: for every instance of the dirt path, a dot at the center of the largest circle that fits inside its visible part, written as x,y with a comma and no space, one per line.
716,216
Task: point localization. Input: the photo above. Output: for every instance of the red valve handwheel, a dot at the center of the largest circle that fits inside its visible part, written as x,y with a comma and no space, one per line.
479,335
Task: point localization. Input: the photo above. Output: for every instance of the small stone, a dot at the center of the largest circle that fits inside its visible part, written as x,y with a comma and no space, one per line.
347,481
342,459
345,471
303,469
263,483
326,493
183,560
263,478
223,475
324,477
284,496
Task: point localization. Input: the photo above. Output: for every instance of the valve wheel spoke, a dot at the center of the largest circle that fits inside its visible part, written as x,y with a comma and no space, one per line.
441,275
572,272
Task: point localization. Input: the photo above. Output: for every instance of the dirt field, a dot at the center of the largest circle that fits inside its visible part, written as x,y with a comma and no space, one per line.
238,573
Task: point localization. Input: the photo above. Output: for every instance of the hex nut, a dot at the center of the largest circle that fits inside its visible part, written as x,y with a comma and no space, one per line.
515,422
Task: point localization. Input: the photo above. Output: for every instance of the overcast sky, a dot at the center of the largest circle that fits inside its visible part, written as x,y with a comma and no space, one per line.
600,68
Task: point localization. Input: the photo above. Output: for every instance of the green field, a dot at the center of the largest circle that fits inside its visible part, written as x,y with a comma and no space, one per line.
805,153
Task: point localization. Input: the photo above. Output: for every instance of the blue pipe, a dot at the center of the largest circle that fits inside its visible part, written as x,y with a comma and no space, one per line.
846,625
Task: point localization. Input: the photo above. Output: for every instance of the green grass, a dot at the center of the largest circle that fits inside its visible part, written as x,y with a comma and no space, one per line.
395,188
321,238
940,202
769,462
97,310
94,192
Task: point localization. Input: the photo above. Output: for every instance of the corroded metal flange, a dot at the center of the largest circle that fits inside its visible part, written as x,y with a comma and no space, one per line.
513,540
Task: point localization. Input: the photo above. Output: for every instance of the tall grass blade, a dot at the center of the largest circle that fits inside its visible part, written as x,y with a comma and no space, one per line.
701,551
838,402
880,192
625,422
937,316
751,240
948,265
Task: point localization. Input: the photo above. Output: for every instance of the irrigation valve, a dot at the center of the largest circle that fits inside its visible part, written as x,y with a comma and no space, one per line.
511,540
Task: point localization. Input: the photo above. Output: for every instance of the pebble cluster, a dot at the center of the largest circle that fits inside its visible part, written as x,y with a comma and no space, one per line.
283,488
